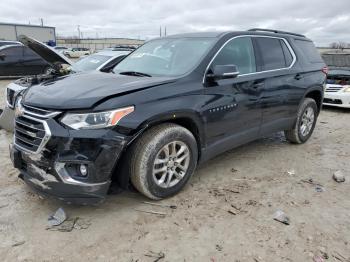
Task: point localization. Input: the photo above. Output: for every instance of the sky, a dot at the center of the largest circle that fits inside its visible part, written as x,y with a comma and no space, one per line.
323,21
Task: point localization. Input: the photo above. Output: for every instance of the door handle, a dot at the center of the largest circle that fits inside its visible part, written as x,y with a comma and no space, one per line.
298,77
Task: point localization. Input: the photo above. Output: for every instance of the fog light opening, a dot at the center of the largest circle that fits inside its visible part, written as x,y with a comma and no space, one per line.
83,170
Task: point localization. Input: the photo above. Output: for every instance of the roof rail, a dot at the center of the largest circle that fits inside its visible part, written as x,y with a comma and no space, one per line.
275,31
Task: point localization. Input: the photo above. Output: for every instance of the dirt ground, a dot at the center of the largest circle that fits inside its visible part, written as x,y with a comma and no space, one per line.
225,213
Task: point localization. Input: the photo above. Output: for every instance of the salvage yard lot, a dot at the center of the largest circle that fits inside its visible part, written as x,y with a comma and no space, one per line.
224,214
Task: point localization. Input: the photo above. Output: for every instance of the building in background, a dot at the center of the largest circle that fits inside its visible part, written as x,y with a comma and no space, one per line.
45,34
95,44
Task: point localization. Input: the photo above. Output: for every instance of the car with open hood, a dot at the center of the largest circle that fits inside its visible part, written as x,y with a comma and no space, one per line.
337,91
59,65
56,65
169,106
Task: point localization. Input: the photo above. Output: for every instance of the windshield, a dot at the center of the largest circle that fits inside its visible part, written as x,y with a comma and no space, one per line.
90,63
166,57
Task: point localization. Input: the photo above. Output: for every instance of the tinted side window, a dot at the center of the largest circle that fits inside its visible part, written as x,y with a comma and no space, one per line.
309,51
28,52
239,52
287,55
13,52
271,53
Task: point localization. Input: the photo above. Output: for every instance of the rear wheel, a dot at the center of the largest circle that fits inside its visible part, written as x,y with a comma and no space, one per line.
163,160
305,124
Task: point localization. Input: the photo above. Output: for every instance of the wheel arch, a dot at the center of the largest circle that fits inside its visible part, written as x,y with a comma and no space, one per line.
188,120
317,95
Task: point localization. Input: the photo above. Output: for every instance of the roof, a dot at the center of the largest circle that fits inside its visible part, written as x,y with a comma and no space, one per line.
262,32
198,34
27,25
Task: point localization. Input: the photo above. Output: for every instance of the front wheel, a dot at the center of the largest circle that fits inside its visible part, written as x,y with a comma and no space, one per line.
163,160
305,123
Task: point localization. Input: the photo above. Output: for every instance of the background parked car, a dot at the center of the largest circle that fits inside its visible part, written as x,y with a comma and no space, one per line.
103,61
60,49
76,52
19,60
337,92
2,43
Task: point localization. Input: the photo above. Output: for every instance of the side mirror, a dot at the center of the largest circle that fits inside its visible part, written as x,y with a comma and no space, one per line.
2,57
224,72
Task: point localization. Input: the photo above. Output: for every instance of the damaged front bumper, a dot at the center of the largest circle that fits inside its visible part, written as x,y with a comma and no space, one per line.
55,170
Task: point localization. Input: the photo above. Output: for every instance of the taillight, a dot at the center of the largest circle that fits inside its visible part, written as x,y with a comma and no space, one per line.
325,70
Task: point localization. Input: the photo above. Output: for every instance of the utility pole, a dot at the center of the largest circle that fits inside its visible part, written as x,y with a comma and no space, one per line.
42,22
160,31
165,31
78,31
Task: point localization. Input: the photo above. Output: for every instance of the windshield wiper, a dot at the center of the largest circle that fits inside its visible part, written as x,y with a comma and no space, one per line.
134,73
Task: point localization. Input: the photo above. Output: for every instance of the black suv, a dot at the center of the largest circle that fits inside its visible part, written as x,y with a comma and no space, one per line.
173,103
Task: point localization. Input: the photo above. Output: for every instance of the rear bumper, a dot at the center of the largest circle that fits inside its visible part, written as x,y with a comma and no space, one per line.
337,99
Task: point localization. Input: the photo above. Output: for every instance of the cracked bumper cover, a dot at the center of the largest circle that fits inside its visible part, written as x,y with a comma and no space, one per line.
55,170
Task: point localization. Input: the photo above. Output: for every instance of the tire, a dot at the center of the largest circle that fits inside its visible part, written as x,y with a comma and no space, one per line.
298,135
151,146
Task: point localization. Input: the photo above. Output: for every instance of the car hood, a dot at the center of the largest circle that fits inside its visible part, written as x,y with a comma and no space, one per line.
45,52
85,90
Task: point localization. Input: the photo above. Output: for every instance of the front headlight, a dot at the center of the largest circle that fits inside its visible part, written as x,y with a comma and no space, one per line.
96,120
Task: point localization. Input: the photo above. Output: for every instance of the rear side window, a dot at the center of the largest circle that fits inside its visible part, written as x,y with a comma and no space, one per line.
287,54
239,52
272,54
309,51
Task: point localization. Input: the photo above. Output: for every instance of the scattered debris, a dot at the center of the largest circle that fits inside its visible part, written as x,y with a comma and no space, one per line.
251,203
157,256
338,176
72,223
58,218
237,208
323,122
81,223
280,216
66,226
20,243
160,205
151,212
324,255
244,179
319,189
339,257
311,182
291,172
318,259
218,247
232,212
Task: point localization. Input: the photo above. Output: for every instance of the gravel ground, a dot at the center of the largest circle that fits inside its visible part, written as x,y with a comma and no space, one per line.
224,214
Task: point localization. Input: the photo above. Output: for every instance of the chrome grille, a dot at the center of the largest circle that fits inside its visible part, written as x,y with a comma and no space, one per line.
332,89
31,129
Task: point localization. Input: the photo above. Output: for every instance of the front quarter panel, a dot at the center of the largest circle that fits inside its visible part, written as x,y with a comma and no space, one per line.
170,102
